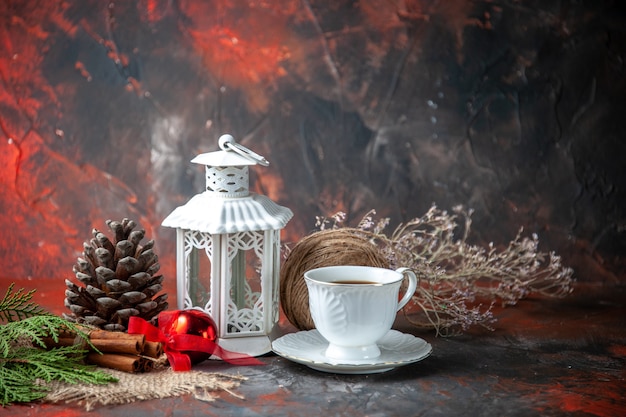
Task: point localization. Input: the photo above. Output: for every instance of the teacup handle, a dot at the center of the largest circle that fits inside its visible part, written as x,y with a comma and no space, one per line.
408,273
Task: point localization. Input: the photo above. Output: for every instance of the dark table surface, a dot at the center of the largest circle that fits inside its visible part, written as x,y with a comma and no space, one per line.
548,357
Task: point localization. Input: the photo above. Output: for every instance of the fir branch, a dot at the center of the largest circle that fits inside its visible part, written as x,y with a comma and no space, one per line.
17,305
23,368
22,361
63,364
35,329
13,389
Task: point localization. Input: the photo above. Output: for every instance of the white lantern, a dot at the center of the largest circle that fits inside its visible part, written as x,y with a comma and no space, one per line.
228,251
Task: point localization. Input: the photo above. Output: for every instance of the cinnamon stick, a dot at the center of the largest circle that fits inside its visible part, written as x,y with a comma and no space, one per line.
152,349
146,364
117,346
130,343
61,341
105,341
107,334
119,361
117,350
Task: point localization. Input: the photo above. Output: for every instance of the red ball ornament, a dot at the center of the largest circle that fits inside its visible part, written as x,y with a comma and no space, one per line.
196,323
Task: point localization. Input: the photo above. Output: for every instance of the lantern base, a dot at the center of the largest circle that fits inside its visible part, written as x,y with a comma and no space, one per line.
251,345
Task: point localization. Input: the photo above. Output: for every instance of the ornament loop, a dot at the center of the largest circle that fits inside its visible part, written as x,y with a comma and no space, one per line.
227,143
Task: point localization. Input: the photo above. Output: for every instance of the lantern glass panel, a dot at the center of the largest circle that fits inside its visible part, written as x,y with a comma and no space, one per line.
245,312
198,264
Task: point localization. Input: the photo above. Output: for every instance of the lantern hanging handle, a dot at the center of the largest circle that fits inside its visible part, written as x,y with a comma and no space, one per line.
227,143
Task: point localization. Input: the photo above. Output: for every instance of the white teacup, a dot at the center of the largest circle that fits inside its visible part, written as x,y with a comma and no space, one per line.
354,306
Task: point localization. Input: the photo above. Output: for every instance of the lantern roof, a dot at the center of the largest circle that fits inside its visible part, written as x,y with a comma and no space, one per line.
227,206
209,214
222,159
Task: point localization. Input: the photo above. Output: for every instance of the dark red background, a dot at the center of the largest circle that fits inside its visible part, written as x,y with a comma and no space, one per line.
513,108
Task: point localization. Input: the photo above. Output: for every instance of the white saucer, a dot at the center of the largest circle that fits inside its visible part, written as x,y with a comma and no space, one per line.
308,347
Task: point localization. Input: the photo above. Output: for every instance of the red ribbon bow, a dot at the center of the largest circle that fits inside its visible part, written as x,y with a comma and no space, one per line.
175,344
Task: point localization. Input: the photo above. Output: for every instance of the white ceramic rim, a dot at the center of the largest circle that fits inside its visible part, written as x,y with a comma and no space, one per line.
399,276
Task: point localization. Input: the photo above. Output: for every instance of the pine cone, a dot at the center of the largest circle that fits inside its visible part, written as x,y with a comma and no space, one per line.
118,278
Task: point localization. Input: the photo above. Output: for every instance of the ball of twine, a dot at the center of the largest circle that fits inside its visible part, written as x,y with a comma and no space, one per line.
344,246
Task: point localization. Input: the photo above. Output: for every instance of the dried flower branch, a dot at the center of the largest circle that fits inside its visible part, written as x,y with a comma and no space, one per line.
460,282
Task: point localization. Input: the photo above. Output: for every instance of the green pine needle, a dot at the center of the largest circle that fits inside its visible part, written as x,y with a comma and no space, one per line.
17,305
23,365
13,389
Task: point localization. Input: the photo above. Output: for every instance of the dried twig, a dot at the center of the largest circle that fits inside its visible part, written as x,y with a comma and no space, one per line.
460,282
